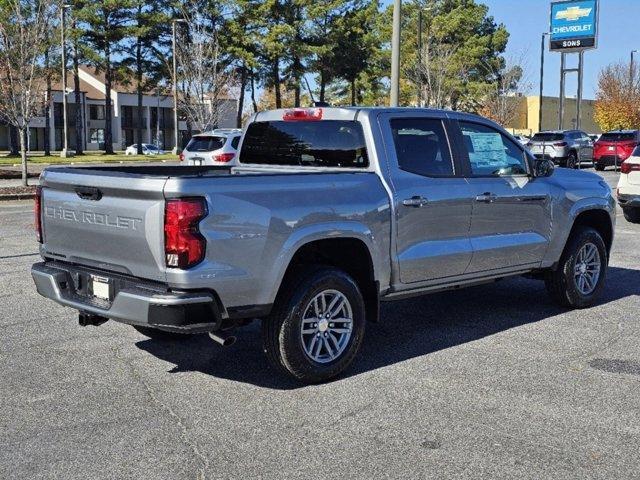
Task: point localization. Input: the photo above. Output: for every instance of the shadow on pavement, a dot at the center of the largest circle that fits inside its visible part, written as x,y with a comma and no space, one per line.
409,329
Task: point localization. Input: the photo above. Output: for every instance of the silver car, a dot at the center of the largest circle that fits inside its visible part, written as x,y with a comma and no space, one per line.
217,147
567,148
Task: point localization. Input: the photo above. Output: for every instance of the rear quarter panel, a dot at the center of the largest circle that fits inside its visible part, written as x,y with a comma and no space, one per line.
256,223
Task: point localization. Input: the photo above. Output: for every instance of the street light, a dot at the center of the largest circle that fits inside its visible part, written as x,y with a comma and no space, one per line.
65,153
631,69
176,131
542,45
395,54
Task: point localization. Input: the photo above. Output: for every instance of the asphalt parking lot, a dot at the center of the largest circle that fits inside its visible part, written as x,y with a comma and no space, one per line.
489,382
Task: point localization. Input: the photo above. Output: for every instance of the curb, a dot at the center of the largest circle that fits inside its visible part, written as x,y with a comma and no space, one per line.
16,196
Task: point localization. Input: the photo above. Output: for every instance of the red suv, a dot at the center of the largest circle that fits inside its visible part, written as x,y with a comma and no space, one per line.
613,148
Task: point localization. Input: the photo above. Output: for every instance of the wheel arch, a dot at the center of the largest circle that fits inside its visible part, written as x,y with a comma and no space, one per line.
350,252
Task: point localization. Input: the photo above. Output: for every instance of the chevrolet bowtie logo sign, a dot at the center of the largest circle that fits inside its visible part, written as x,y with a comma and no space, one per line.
572,14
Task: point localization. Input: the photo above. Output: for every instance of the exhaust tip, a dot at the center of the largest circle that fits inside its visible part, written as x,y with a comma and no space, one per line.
224,340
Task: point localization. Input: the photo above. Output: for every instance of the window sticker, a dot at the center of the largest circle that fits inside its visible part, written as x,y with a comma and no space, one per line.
487,149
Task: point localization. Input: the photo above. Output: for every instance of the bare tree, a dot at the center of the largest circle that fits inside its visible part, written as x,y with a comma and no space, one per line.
503,99
204,79
431,74
23,34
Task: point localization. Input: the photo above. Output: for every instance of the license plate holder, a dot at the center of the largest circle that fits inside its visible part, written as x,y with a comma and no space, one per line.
101,287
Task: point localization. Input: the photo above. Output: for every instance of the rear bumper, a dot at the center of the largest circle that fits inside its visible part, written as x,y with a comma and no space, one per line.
629,201
142,303
608,160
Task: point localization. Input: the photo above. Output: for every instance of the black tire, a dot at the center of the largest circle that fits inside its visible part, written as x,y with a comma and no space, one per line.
561,283
156,334
598,167
281,331
572,160
632,214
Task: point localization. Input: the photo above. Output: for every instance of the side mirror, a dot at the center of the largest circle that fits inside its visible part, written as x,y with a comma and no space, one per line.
543,167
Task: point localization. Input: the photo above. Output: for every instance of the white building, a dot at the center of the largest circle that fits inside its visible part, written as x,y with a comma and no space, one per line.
157,116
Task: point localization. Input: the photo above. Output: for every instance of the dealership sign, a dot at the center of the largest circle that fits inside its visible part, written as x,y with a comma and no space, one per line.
573,25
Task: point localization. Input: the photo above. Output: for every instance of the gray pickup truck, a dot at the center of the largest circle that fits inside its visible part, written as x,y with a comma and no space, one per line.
329,212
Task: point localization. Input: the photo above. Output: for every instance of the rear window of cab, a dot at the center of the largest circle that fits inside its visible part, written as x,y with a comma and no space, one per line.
618,136
325,143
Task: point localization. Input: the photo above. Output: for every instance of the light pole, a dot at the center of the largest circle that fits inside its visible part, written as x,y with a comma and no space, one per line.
65,153
395,54
176,130
542,45
631,69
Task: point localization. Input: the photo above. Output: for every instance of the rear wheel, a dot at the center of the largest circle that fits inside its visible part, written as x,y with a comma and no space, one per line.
157,334
317,326
572,160
579,277
632,214
598,167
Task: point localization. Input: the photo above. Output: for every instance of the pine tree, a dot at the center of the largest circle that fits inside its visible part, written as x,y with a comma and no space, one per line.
105,26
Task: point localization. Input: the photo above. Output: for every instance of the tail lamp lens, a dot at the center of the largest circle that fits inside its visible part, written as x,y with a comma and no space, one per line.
184,245
181,157
224,157
37,213
627,167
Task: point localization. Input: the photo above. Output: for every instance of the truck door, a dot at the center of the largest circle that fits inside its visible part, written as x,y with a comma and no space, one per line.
511,219
432,199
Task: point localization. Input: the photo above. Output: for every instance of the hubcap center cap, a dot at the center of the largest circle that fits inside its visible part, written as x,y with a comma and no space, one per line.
583,268
323,325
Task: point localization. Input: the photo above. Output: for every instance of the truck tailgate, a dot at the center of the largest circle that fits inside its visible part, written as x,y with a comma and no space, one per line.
109,221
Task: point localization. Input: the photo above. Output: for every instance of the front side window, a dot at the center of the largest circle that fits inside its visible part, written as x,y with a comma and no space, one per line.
324,143
421,146
490,152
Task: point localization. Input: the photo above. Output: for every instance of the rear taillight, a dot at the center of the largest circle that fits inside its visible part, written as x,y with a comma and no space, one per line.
627,167
184,246
37,213
181,157
302,115
560,144
223,157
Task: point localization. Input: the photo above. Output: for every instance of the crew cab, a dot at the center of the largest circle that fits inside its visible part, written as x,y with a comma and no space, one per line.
329,212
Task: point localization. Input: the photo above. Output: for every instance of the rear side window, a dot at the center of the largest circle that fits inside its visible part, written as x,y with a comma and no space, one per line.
547,137
235,142
205,144
618,136
421,146
325,143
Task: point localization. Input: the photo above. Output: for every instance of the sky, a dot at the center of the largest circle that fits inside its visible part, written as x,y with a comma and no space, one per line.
526,20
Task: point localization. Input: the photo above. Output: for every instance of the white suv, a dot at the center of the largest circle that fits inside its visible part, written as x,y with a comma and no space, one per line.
628,190
217,147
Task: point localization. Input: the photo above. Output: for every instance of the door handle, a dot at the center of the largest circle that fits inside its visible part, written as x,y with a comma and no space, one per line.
487,197
415,201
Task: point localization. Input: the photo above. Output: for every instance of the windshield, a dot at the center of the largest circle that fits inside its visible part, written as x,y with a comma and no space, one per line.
547,137
618,136
205,143
326,143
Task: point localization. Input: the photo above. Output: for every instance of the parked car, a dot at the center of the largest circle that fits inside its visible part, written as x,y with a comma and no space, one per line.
329,212
218,147
566,148
615,147
524,140
147,149
628,191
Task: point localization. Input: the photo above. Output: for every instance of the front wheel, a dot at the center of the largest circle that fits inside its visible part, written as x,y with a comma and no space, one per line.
317,325
632,214
579,278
